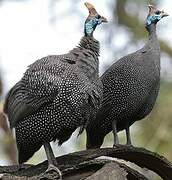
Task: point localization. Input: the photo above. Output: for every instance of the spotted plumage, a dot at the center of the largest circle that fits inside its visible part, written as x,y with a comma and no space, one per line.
56,95
130,89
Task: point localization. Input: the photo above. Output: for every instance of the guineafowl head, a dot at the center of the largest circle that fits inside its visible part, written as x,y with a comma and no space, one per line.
154,15
92,20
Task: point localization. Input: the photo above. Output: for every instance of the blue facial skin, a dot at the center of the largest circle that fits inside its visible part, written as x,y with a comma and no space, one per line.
153,19
91,24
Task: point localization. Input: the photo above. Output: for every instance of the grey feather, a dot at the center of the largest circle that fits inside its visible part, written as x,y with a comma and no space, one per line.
56,95
130,89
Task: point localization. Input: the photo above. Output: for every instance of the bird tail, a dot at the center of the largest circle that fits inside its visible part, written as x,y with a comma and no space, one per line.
11,104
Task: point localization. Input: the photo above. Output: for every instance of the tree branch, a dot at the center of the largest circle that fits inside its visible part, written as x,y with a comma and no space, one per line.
83,164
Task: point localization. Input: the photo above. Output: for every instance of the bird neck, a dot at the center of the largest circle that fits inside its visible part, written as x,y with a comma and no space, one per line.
87,57
152,31
91,44
153,49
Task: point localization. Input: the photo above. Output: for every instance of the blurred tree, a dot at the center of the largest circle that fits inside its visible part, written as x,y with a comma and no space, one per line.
0,86
7,140
156,130
134,23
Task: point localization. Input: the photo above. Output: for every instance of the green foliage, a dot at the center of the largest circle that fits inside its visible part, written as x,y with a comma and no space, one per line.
156,130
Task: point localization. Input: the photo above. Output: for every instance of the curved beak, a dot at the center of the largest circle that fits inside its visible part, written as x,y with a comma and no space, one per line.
103,19
164,14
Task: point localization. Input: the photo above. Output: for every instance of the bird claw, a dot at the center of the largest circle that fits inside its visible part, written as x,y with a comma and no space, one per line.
121,146
116,145
129,145
50,168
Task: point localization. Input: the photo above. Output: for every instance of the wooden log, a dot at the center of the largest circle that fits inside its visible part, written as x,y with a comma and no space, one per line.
83,164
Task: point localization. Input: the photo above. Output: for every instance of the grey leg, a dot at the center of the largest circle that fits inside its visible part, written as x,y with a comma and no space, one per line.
51,160
116,140
128,136
49,152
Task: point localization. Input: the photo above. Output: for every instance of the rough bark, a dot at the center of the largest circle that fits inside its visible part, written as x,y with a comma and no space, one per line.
110,171
81,165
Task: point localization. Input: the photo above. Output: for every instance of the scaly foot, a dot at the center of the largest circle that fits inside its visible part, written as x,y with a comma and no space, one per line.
50,168
116,145
129,145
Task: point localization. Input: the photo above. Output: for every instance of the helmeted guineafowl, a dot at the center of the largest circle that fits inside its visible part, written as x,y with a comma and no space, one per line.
56,95
130,88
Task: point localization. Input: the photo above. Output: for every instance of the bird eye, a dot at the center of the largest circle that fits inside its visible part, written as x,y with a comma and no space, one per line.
98,16
157,12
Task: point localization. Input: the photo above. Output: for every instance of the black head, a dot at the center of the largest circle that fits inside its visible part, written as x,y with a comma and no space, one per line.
92,20
154,15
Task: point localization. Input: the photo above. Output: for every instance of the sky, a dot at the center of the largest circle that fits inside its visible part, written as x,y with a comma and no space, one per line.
28,31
